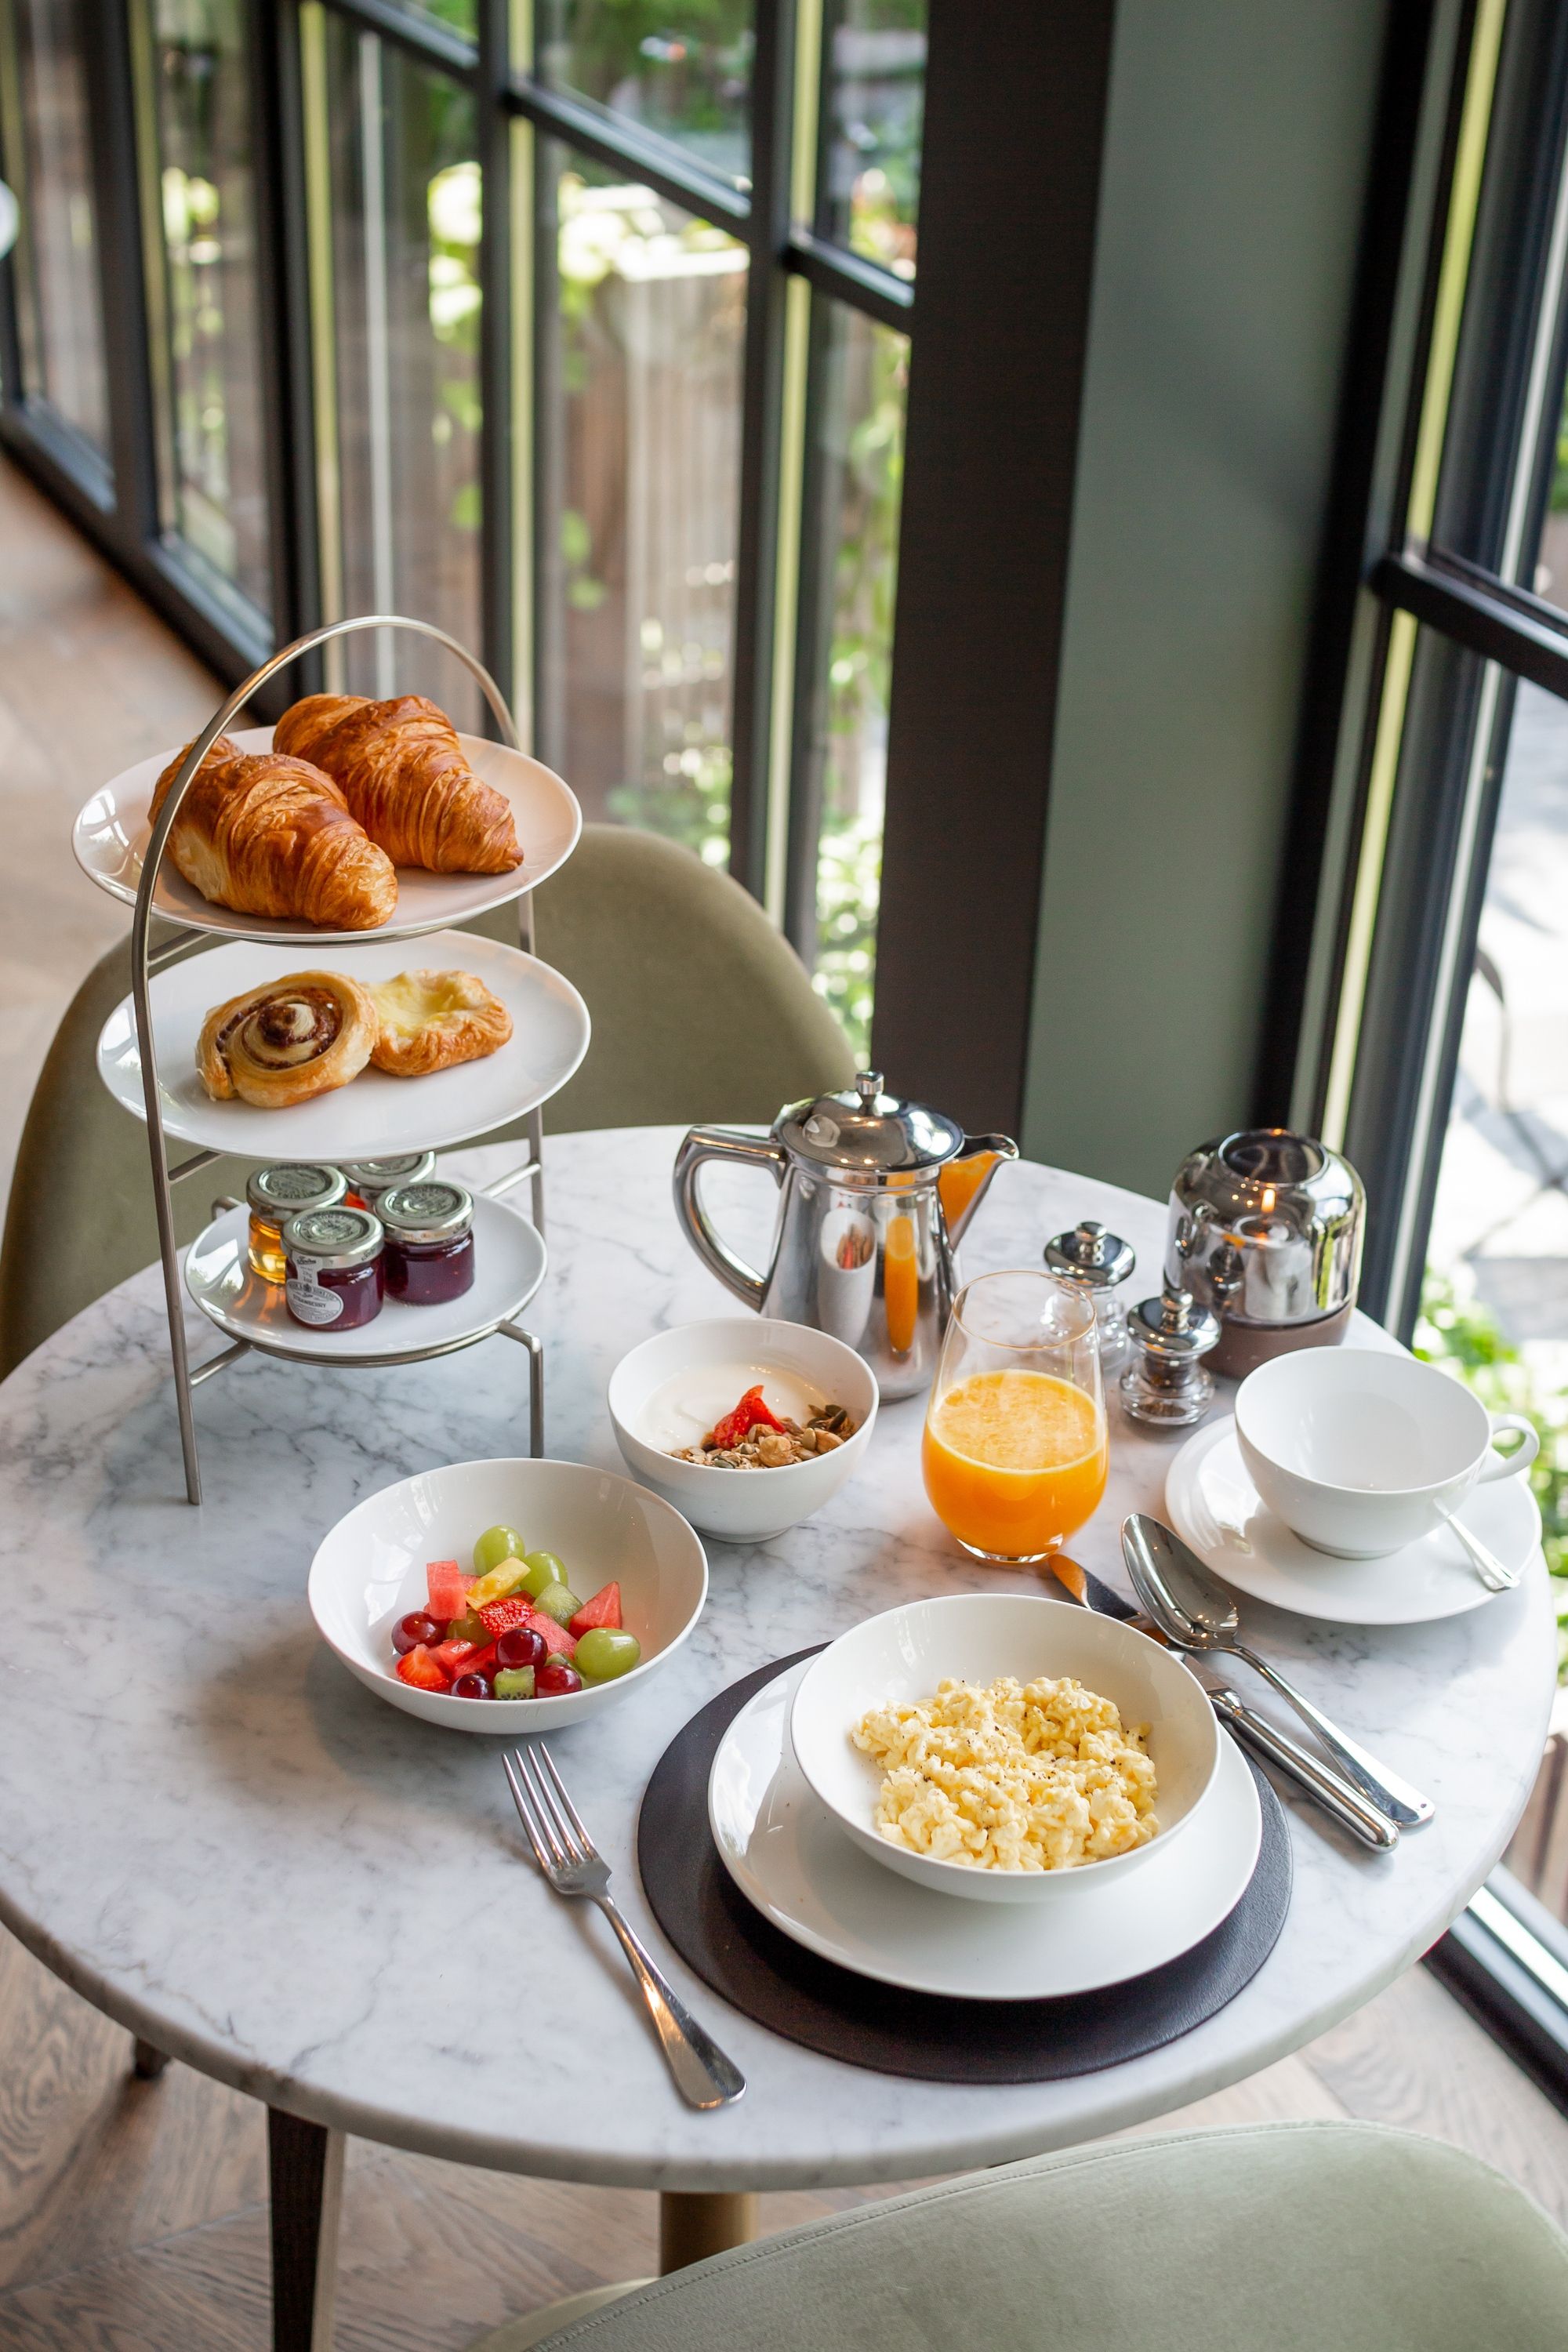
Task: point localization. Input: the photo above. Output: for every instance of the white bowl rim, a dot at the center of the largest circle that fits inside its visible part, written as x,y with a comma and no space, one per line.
787,1473
1327,1487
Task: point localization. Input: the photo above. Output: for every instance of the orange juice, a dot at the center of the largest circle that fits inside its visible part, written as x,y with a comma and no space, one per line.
901,1283
959,1180
1014,1461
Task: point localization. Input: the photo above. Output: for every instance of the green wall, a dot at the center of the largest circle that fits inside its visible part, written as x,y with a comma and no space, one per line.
1234,185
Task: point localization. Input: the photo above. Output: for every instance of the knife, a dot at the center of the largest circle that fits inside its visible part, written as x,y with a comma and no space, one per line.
1337,1796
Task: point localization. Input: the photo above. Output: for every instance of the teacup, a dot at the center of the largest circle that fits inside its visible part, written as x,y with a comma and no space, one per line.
1362,1451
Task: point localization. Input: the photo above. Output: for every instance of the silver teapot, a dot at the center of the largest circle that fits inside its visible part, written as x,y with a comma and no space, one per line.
876,1194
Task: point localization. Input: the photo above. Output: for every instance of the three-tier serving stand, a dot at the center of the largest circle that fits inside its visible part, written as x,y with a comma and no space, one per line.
146,959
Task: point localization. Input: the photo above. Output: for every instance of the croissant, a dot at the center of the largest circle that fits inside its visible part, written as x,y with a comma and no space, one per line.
272,836
287,1040
430,1020
403,774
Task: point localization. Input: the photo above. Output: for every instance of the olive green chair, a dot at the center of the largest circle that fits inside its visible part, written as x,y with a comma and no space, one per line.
701,1011
1312,2237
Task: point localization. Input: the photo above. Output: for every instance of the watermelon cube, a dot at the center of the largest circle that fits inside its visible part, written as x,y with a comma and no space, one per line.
418,1666
452,1654
448,1591
605,1609
559,1641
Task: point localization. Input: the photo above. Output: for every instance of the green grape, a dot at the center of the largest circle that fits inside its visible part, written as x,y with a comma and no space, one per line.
515,1682
542,1568
495,1544
602,1654
559,1602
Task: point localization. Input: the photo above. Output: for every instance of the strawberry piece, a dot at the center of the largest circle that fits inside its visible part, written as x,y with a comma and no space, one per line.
448,1588
750,1413
418,1666
504,1616
605,1609
556,1638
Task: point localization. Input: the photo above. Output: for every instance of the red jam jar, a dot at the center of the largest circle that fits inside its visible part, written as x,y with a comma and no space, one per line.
429,1242
367,1179
335,1262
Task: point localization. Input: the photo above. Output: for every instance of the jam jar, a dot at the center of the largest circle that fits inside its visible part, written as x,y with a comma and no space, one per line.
334,1267
429,1242
276,1194
367,1179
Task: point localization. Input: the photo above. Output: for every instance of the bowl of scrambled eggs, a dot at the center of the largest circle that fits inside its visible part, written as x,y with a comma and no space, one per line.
1004,1746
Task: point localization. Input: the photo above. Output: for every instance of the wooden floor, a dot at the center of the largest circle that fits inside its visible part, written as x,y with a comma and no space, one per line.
132,2215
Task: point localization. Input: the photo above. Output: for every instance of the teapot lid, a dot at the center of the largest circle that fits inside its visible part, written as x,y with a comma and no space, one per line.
864,1132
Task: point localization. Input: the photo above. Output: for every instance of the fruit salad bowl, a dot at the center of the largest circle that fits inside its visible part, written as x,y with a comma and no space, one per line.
639,1568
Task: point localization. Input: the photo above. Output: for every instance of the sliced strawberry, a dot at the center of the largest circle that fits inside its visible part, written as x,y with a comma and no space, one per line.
605,1609
418,1666
448,1586
504,1616
555,1637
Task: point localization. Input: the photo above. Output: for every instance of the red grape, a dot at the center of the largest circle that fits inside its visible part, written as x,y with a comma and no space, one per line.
556,1679
473,1686
410,1632
521,1646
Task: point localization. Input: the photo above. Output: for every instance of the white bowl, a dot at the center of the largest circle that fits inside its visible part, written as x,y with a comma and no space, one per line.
369,1571
722,1360
976,1637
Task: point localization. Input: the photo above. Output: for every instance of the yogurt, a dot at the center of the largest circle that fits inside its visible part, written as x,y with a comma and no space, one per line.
683,1409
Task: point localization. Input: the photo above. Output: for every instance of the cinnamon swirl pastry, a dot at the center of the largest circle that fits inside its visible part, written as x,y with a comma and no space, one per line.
430,1020
290,1039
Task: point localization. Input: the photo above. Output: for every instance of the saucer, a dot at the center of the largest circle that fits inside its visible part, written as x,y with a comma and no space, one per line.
1216,1507
793,1861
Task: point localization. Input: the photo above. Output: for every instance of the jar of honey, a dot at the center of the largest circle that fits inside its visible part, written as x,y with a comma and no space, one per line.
367,1179
274,1195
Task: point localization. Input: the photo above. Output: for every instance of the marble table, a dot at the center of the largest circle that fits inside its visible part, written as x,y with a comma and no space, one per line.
226,1843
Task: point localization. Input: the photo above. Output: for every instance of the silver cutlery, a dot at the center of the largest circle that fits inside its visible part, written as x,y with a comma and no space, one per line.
1195,1613
573,1865
1337,1796
1487,1565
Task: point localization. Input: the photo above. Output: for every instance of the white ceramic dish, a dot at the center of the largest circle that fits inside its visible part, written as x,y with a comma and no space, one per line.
508,1267
370,1571
112,832
1362,1451
975,1637
670,1389
790,1860
376,1114
1215,1506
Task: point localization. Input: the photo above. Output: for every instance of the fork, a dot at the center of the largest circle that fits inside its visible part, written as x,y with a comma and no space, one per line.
1487,1565
572,1865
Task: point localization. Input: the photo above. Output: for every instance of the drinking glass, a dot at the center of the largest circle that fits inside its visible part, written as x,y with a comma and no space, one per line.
1016,1449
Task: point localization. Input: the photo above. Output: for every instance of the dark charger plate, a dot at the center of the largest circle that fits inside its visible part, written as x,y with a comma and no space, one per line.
812,2001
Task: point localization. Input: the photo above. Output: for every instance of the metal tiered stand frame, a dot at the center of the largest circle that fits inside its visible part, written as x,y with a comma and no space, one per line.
145,961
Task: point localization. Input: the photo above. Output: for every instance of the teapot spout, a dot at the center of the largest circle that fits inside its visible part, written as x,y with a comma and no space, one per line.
963,1180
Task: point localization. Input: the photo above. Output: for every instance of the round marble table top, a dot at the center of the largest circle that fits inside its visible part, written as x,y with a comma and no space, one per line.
216,1835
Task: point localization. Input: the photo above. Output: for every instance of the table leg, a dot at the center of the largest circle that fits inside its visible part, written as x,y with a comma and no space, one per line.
305,2170
147,2064
691,2226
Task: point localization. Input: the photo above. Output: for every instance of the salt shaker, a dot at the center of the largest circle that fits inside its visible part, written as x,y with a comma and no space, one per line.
1099,1263
1167,1382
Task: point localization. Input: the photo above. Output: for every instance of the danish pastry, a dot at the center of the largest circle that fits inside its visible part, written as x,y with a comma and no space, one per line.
430,1020
405,774
283,1042
272,836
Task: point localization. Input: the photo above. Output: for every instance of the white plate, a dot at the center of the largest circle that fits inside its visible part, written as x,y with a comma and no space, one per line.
1215,1506
508,1267
790,1860
112,832
374,1115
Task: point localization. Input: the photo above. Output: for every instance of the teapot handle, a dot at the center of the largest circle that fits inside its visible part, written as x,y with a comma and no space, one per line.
703,1144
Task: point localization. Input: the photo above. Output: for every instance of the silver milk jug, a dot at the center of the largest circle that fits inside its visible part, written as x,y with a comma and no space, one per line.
875,1194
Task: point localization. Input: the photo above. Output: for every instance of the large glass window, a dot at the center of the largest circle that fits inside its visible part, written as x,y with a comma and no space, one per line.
875,103
684,74
61,318
214,493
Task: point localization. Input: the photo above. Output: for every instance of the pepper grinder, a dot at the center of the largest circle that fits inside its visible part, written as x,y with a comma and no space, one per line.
1098,1262
1167,1382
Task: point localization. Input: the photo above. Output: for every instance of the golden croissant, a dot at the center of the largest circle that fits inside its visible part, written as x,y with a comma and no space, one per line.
267,834
404,775
287,1040
429,1020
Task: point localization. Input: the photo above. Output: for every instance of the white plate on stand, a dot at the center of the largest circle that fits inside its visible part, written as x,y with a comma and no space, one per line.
1215,1506
794,1863
374,1115
508,1267
112,831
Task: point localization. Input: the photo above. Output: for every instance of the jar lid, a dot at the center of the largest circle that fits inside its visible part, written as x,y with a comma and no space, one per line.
863,1132
333,1238
437,1211
1090,1254
291,1186
408,1167
1174,1327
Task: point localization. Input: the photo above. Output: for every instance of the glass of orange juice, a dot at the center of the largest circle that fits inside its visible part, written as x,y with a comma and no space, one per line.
1016,1447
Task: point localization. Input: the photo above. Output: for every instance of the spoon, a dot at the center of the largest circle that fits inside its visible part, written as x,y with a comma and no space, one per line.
1487,1565
1197,1613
